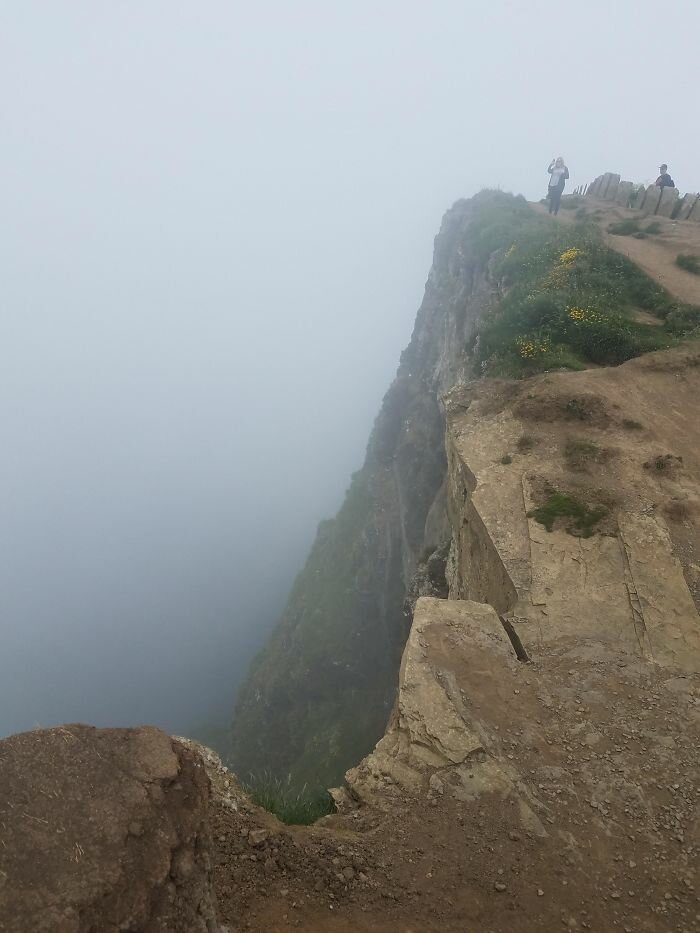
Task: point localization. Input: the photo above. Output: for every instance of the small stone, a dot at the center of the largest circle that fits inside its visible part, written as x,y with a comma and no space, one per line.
499,886
256,837
540,892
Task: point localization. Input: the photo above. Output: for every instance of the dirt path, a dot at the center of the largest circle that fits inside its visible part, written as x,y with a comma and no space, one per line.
656,254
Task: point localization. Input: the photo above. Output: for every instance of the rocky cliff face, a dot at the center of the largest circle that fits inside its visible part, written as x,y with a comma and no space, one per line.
321,692
548,498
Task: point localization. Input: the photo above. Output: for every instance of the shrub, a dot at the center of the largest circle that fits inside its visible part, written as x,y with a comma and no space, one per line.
624,227
565,299
506,459
292,805
683,320
653,227
631,425
560,505
688,262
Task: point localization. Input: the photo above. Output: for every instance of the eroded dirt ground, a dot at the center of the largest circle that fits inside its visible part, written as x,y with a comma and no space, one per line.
603,746
606,745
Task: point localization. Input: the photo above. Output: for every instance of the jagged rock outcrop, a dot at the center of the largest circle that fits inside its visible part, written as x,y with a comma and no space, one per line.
103,830
458,660
605,438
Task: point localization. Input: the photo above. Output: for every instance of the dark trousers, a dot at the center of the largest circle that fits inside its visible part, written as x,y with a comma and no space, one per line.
555,199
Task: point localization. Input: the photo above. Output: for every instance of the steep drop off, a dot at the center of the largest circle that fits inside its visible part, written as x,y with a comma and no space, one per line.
320,693
509,294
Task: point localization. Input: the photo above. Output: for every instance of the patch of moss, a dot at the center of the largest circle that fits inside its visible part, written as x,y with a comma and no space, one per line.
583,518
579,453
688,262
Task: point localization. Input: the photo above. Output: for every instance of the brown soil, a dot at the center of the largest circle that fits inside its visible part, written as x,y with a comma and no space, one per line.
607,745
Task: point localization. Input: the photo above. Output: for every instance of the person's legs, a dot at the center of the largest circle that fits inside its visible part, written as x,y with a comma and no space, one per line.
556,200
551,195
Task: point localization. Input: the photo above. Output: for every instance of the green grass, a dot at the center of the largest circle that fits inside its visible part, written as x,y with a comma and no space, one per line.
290,804
566,300
688,262
624,227
560,505
631,227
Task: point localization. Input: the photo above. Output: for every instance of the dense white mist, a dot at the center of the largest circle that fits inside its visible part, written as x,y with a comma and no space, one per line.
217,219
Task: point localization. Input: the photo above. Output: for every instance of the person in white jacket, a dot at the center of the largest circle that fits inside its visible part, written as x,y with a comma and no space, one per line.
559,173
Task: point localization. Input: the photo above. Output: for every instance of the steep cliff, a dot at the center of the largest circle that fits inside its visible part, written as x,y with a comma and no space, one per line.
509,294
320,693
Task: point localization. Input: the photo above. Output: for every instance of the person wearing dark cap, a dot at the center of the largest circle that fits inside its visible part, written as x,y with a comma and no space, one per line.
664,180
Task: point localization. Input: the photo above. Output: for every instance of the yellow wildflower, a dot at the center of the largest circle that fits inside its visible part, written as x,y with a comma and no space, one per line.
569,255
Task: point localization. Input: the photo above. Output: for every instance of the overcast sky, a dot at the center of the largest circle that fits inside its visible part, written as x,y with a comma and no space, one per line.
216,223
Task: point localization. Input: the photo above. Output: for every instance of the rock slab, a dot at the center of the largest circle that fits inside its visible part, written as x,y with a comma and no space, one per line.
103,830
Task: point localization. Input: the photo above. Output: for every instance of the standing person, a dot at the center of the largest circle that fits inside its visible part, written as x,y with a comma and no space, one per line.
664,180
559,172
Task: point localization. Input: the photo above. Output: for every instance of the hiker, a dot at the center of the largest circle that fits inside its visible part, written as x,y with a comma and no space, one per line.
664,180
559,172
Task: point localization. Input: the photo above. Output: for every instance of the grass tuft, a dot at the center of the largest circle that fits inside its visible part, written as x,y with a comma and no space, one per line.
624,227
580,453
290,804
688,262
560,505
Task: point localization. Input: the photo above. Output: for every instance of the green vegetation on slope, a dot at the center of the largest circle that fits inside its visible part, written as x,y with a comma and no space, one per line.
291,805
566,300
688,262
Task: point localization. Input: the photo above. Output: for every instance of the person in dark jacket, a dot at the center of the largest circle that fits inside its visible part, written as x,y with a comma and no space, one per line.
664,180
559,173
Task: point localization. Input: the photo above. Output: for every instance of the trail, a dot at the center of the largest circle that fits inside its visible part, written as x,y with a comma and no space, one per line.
656,254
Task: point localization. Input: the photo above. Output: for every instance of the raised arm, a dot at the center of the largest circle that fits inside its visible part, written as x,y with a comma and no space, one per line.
551,166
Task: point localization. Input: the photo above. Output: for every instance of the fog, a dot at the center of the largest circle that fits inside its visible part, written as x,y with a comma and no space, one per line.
217,219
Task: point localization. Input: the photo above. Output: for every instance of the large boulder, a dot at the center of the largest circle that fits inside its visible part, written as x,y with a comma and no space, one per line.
103,830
